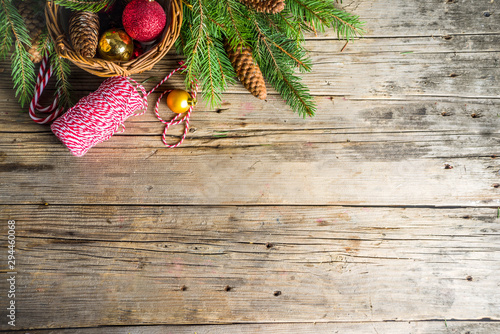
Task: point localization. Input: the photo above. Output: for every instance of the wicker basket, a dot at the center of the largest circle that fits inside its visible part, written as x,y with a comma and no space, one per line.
105,68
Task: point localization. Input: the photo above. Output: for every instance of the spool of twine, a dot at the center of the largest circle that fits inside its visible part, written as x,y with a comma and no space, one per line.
96,117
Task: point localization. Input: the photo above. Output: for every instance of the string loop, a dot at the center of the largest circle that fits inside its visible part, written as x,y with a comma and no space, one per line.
177,119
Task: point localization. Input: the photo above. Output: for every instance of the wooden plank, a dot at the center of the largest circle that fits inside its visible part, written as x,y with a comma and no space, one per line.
88,266
247,121
426,17
428,327
314,167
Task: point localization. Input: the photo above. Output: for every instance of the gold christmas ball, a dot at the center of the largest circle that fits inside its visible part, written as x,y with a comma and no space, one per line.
179,101
115,44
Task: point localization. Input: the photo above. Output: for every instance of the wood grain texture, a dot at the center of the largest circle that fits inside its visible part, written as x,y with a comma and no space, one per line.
413,168
95,266
378,215
414,327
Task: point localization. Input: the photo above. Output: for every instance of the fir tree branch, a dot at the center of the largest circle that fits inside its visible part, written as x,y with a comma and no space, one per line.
295,54
6,36
15,22
317,15
62,71
281,75
85,5
200,26
238,33
206,59
221,26
311,12
15,32
45,43
212,93
346,24
23,73
293,29
299,62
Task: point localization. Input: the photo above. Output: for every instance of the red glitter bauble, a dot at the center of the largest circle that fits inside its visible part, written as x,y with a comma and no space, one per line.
144,20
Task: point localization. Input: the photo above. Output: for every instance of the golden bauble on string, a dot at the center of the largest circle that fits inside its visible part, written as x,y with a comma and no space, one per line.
179,101
115,44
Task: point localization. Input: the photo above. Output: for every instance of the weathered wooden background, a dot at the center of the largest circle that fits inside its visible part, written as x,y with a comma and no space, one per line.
379,215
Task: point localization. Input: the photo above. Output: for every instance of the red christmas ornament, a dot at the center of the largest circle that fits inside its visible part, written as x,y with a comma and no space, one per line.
144,20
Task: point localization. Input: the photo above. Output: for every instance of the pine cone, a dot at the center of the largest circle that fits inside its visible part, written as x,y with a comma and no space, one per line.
32,14
84,33
266,6
248,71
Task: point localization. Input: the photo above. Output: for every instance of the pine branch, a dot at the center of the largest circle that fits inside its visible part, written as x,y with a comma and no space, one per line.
45,43
15,22
85,5
292,28
238,33
15,32
62,71
347,25
277,67
6,36
318,15
23,73
313,12
201,42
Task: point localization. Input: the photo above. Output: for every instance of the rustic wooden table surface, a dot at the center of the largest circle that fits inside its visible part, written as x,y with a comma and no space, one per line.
379,215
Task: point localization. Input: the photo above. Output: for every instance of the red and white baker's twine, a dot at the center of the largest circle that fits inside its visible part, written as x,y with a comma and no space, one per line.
96,117
176,120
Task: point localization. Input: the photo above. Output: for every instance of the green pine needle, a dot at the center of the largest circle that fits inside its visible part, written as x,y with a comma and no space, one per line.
318,15
282,77
44,46
62,72
14,32
23,74
346,24
5,35
85,5
201,42
14,21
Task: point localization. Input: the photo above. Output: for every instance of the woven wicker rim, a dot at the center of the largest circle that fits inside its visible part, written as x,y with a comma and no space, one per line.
105,68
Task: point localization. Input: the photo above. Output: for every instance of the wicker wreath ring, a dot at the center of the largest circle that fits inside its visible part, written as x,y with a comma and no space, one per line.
105,68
